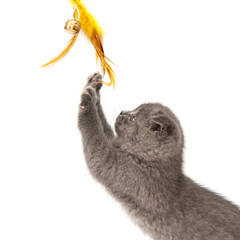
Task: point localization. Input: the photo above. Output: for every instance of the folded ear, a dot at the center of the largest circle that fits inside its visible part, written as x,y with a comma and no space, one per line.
162,125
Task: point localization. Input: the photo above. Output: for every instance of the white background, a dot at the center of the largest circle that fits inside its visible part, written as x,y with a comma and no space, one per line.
184,54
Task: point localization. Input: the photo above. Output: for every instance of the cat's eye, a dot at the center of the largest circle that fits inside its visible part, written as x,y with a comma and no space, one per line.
132,118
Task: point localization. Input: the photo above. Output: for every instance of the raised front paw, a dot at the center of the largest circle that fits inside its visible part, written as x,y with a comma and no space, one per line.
95,81
89,97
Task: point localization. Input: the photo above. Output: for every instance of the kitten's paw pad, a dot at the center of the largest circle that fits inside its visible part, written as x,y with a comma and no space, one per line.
85,100
95,81
81,106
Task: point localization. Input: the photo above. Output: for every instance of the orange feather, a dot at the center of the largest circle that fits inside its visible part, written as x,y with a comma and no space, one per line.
93,33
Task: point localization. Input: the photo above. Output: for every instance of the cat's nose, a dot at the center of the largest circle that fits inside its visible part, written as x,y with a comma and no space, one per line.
123,112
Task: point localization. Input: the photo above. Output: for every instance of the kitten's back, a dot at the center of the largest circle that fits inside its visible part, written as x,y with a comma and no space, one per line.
209,215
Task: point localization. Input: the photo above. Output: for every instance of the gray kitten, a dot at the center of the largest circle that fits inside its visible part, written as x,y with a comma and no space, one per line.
142,168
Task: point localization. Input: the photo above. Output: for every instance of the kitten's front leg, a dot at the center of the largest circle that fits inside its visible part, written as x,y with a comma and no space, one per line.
95,81
113,168
96,147
88,120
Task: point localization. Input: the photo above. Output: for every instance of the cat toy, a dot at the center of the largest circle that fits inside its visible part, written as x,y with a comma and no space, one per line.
85,22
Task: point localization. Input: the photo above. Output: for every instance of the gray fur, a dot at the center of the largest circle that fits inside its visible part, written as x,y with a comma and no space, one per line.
142,168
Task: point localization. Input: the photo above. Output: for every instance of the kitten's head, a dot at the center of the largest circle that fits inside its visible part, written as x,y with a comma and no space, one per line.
150,131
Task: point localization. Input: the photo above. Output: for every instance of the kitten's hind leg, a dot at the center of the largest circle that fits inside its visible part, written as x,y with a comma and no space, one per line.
95,81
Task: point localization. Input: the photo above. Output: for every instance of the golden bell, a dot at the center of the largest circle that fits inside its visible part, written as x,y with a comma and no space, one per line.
72,26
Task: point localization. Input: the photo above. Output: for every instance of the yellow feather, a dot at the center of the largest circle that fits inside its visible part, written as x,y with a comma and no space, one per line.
94,33
63,53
